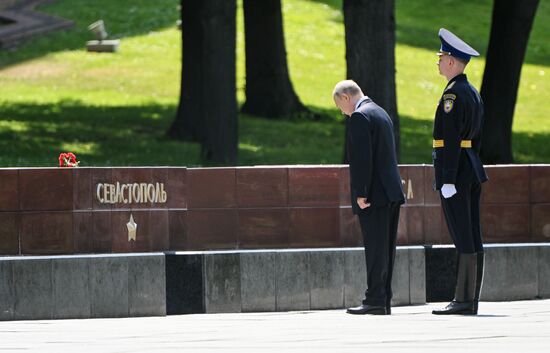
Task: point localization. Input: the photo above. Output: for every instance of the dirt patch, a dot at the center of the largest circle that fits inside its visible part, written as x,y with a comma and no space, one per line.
35,70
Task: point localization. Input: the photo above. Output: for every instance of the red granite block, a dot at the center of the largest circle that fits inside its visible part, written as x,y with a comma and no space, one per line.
345,197
505,223
159,230
263,228
48,189
177,223
46,233
120,239
540,183
507,184
176,187
211,188
132,176
415,224
100,176
151,232
350,229
414,186
102,241
9,233
540,222
433,225
402,231
431,197
314,186
83,191
212,229
9,190
83,232
314,227
262,187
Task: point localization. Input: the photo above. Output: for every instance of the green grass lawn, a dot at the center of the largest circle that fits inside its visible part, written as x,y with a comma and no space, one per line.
113,109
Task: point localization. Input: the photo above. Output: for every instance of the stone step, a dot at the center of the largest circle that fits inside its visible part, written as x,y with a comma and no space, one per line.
156,284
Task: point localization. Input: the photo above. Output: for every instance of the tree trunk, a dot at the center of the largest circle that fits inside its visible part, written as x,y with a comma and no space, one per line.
510,29
370,52
186,125
207,111
269,92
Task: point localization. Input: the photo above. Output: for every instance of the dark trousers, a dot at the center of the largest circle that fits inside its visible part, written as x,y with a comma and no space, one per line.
462,216
379,228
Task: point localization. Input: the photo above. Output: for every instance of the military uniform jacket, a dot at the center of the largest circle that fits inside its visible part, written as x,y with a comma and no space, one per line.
458,120
372,159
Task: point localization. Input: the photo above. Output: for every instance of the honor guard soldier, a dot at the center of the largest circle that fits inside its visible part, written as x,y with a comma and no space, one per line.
459,172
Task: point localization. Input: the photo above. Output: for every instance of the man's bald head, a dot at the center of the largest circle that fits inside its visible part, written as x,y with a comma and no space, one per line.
346,94
348,87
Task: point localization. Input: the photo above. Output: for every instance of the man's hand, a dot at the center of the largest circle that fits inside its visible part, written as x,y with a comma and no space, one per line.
448,190
362,202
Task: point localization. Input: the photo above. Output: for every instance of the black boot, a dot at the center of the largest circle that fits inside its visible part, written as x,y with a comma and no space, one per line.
479,279
463,303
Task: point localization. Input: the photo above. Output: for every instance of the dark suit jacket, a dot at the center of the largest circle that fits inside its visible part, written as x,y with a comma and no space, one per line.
372,157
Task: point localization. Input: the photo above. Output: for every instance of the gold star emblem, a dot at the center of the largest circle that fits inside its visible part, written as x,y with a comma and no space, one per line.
132,228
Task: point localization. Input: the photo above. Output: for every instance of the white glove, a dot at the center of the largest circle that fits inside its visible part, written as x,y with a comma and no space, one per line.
448,190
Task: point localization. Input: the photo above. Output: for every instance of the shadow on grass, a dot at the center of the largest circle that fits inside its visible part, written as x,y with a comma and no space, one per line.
531,147
122,19
321,142
335,4
307,142
35,134
416,143
301,141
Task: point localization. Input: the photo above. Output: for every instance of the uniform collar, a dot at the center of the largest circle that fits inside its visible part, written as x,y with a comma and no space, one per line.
459,77
360,101
452,81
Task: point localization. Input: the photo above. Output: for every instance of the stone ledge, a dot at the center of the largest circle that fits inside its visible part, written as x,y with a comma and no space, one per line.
71,287
284,279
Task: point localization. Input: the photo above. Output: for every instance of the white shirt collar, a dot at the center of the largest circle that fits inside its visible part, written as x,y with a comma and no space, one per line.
364,98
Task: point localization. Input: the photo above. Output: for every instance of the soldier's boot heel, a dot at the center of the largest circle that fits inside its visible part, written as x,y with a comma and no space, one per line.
464,302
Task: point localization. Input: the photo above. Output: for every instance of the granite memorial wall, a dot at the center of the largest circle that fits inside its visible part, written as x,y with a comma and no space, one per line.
46,211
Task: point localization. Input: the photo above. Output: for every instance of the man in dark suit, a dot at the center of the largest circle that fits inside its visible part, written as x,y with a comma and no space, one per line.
458,169
376,190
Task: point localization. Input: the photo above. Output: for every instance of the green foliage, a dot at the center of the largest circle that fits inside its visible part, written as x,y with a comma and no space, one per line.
114,109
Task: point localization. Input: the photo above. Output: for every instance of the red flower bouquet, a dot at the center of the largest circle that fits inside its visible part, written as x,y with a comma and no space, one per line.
68,159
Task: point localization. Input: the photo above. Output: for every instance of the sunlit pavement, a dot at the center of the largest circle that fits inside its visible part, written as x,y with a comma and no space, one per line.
522,326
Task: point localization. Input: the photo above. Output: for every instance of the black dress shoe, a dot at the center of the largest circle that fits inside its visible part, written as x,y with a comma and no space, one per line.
456,308
388,309
368,309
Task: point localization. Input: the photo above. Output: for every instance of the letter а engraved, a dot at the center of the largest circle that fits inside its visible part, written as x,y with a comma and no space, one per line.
410,194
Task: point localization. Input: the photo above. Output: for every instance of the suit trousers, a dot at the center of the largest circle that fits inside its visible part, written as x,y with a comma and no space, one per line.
463,220
379,228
